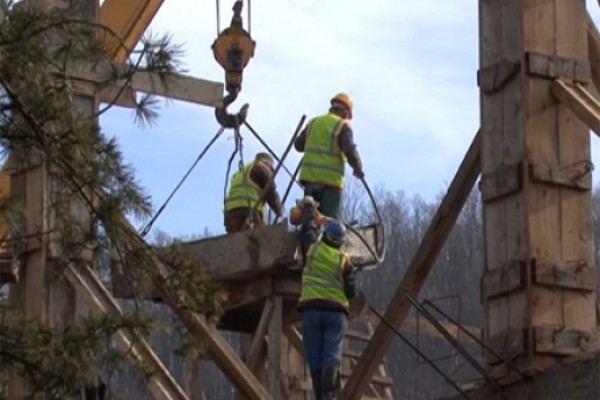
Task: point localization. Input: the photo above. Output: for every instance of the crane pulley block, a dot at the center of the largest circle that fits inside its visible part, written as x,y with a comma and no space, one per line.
233,49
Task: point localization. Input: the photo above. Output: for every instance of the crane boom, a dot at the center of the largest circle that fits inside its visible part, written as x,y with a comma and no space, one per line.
128,19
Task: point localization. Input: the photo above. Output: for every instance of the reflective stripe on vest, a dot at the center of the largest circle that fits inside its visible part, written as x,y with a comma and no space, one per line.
323,160
322,278
244,192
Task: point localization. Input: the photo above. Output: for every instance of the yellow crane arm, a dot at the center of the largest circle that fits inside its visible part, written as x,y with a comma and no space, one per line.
128,19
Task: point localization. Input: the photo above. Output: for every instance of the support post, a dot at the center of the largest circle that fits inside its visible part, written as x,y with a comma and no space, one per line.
545,224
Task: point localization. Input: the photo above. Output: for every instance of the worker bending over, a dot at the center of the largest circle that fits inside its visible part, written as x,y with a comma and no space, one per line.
328,283
244,206
327,142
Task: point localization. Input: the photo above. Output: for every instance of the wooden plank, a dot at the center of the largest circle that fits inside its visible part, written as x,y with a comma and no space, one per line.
575,176
542,201
247,253
593,43
511,315
173,86
252,253
501,281
578,307
162,384
565,274
295,338
565,342
491,79
258,339
223,355
243,293
420,266
507,339
274,374
492,19
179,87
580,101
504,181
552,66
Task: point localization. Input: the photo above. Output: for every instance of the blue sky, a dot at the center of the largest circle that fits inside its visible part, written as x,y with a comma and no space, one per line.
409,65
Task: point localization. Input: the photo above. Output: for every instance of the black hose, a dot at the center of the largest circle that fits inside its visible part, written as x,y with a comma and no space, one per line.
378,254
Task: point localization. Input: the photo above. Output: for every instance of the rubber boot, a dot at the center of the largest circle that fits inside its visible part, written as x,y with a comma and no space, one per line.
329,379
316,382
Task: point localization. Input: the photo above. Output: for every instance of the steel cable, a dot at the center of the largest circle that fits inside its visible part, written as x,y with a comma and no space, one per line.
144,231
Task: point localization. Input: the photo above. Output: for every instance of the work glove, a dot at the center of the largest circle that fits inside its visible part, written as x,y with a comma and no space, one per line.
359,174
309,201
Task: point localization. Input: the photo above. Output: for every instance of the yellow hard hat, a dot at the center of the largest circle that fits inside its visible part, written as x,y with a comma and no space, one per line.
345,100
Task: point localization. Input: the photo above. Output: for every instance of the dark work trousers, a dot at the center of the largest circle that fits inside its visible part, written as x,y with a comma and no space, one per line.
237,220
323,332
330,199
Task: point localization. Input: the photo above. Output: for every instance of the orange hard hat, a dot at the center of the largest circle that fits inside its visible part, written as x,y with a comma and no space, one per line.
345,100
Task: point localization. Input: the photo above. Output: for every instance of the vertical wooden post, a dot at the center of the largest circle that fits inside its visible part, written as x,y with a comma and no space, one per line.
274,350
539,285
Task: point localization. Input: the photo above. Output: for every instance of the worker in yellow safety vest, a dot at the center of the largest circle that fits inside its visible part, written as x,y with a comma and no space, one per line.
244,206
327,143
328,285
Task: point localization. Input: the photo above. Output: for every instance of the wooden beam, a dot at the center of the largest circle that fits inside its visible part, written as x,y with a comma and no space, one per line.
274,375
258,340
552,66
255,252
172,86
580,101
295,338
222,354
162,384
593,37
127,19
179,87
245,254
419,269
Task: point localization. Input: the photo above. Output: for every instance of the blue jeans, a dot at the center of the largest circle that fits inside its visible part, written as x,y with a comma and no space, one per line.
323,332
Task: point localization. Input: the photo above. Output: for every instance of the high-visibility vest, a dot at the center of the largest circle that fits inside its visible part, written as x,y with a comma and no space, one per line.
244,192
323,160
323,275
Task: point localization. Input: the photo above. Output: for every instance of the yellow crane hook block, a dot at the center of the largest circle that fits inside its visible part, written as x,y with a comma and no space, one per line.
233,49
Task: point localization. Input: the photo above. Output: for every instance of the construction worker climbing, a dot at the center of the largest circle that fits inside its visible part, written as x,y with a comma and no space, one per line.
327,142
248,191
328,284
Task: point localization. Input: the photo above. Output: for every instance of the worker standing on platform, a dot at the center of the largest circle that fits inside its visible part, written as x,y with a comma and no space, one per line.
244,206
327,142
328,284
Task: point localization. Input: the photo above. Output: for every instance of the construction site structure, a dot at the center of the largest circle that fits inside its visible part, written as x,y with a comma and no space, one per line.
538,78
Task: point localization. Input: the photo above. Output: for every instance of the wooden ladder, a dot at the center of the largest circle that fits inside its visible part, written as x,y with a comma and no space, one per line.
357,336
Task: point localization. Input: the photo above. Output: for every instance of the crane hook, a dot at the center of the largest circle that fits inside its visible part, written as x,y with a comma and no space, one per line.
231,120
232,49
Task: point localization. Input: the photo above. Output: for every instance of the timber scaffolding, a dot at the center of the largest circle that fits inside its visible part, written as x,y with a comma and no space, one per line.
261,271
